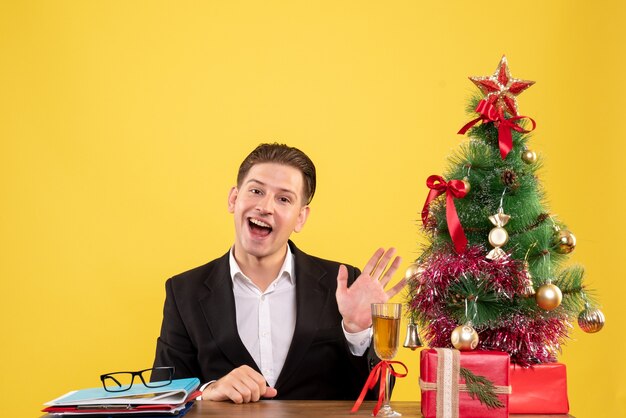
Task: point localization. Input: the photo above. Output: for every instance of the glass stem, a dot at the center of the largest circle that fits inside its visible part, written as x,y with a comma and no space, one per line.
387,388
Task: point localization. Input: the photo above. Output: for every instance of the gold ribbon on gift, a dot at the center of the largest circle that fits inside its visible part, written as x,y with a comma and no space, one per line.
448,386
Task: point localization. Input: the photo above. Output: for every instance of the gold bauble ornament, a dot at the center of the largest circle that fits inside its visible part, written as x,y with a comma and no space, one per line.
529,156
464,337
412,271
467,184
591,320
564,241
548,296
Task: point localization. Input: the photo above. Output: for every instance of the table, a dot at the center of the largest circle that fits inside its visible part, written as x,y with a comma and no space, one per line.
306,409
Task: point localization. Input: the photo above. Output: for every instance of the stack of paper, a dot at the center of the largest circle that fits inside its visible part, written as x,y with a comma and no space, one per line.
173,400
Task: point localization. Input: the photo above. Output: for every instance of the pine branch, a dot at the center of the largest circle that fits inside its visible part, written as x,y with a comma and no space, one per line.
575,294
482,388
472,103
484,306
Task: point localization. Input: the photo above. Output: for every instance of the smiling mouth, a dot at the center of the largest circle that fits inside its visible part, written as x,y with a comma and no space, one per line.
259,227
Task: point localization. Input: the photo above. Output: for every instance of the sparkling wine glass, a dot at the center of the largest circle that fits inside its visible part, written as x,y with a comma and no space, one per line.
386,327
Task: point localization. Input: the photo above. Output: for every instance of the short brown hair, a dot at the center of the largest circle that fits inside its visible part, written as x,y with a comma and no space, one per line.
282,154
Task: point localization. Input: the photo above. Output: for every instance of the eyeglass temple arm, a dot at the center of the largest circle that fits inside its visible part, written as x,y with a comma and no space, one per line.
112,378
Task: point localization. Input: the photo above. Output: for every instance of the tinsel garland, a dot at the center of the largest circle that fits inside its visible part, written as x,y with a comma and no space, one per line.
443,267
529,337
528,341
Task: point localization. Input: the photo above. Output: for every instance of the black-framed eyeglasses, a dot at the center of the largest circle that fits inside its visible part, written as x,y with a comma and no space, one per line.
155,377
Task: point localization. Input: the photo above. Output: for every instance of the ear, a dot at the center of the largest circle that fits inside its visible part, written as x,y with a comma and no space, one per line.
302,217
232,198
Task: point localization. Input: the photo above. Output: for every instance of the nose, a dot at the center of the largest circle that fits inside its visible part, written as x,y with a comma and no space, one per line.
265,205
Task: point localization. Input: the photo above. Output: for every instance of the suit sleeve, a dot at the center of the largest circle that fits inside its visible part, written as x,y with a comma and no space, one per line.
174,346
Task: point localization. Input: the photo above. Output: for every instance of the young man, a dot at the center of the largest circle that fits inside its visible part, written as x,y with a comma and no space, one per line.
267,320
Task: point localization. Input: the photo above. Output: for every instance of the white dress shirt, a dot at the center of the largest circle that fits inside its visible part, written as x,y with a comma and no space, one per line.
266,320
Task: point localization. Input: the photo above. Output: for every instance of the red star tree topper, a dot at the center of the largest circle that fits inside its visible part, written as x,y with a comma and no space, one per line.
500,89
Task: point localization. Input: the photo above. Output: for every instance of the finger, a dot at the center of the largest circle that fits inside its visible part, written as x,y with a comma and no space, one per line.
270,392
254,381
246,372
391,271
249,372
222,390
396,288
373,261
238,386
246,393
252,389
342,280
231,392
382,265
249,389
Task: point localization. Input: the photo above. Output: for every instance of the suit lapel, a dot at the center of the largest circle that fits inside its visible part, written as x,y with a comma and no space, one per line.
311,298
218,307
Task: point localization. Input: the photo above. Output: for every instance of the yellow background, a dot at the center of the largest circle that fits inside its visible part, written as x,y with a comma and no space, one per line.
122,124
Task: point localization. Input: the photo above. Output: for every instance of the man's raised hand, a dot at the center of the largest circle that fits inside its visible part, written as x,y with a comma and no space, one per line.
354,302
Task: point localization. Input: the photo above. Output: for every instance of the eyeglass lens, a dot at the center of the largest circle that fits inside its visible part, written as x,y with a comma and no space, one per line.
121,381
160,376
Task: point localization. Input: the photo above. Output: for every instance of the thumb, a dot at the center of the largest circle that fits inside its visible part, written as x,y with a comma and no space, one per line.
342,280
270,392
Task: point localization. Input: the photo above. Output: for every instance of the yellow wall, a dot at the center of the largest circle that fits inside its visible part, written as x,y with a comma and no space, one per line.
122,123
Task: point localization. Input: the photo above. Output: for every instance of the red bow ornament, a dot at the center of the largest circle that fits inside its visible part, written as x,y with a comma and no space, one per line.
453,189
378,373
488,113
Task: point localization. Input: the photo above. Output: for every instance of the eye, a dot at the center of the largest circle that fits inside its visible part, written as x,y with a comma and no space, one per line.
284,199
256,191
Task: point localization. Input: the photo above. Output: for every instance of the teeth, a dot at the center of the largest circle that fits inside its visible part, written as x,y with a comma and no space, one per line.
259,223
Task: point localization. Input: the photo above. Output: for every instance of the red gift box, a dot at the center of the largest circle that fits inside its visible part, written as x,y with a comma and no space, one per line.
438,383
540,389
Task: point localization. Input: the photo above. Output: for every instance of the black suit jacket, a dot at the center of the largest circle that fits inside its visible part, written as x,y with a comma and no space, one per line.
199,331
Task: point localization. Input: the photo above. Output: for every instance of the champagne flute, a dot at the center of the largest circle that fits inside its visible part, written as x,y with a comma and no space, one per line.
386,327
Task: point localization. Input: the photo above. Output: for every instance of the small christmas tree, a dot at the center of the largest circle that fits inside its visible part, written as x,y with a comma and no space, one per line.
492,275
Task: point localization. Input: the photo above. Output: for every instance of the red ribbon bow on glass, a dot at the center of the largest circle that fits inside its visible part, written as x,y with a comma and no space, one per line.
452,189
378,373
488,113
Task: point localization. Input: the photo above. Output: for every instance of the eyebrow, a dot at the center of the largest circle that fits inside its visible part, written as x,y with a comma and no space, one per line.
264,184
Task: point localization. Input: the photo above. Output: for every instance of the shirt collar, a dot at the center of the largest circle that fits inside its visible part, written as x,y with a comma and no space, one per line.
287,269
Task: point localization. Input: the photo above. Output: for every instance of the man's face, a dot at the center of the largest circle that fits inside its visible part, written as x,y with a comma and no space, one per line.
267,208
